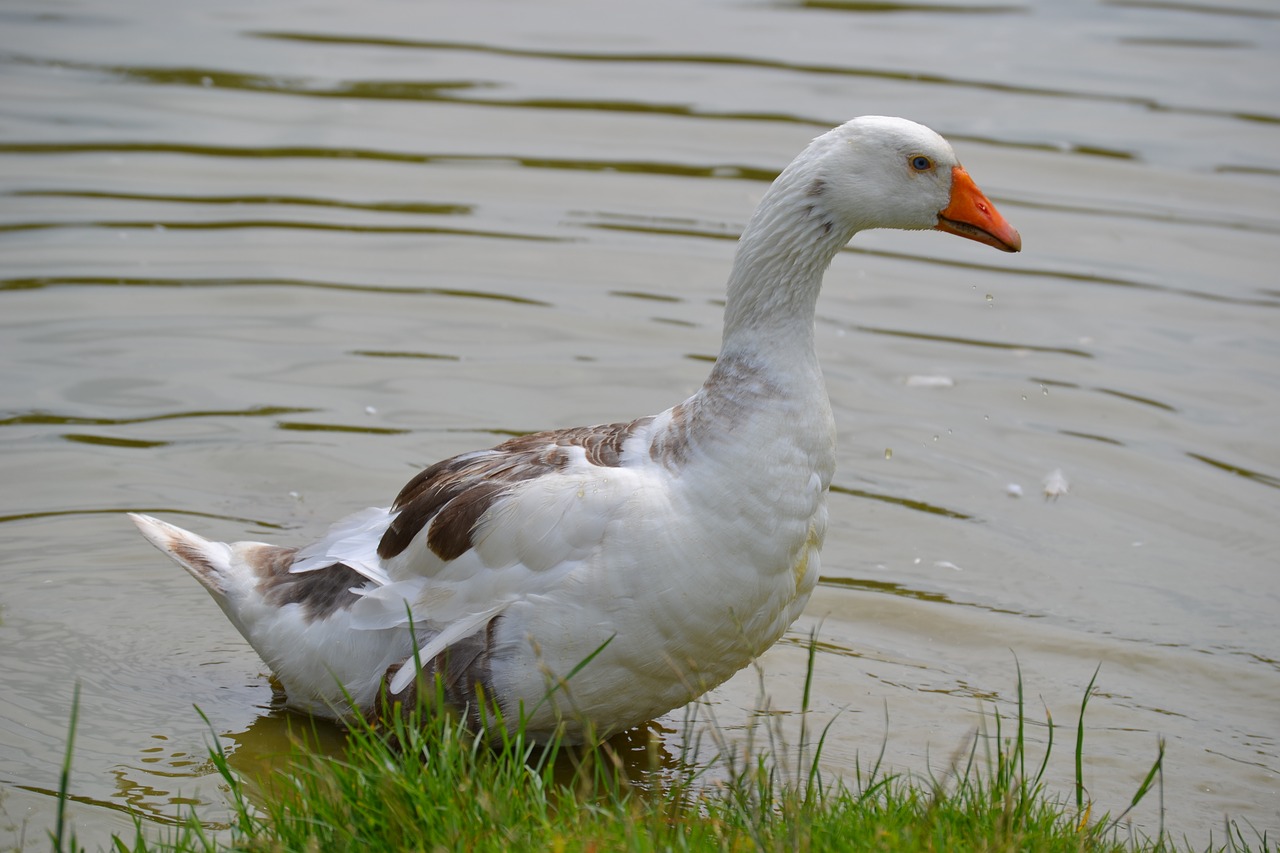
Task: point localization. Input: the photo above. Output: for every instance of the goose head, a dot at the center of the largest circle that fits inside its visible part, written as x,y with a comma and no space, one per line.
884,172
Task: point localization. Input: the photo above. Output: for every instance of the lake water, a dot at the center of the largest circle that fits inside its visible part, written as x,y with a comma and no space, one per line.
260,262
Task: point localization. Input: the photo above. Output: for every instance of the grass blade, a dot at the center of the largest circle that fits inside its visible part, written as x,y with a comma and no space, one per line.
64,779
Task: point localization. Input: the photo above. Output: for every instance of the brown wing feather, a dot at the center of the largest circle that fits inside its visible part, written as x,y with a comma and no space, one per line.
452,495
321,592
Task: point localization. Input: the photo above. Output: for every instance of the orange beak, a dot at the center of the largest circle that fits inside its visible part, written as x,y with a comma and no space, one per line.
971,215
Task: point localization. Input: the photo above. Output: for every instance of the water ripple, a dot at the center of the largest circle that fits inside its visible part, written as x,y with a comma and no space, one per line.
112,441
1091,437
40,417
756,62
1123,395
902,591
423,208
1116,281
435,356
165,510
865,7
303,426
908,503
1163,216
417,158
232,224
685,229
973,342
42,282
1197,8
447,91
1239,470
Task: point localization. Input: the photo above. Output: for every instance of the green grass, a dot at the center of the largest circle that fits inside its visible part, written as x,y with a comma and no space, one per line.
424,782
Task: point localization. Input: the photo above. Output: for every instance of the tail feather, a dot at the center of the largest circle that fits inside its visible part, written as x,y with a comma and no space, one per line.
206,561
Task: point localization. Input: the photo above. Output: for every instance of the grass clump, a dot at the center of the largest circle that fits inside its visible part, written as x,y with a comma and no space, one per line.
424,781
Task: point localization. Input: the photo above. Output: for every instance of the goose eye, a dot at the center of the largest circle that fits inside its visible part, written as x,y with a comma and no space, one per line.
921,163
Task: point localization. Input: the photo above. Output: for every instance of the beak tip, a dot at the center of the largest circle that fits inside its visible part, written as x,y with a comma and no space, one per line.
970,214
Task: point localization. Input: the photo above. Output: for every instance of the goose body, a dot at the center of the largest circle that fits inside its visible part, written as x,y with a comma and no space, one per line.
586,580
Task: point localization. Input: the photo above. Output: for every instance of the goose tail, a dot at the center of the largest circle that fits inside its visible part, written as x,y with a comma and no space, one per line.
206,561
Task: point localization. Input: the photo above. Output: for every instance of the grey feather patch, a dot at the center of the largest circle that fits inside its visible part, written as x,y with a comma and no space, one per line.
710,414
321,592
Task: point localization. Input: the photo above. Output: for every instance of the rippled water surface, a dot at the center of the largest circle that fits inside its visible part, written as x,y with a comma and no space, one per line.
261,261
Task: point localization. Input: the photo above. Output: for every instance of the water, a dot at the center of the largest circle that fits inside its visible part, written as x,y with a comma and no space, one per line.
262,261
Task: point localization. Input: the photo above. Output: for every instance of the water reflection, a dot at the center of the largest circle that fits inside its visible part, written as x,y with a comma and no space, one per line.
301,426
269,745
903,591
720,62
429,356
906,503
424,208
652,757
874,7
259,224
112,441
1206,9
43,418
1112,392
1089,436
43,282
1256,476
116,513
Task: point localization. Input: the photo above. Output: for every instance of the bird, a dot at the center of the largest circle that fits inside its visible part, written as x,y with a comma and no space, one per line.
578,582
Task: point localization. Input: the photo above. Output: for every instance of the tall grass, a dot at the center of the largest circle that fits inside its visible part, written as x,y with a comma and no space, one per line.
424,781
61,839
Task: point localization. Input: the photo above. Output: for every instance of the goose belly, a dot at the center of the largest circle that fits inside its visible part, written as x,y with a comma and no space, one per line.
663,611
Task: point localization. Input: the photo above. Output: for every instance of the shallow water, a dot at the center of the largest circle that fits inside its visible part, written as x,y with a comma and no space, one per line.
262,261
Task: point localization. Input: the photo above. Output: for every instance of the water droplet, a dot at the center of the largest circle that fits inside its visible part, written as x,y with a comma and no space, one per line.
1024,398
1044,389
888,453
935,438
990,300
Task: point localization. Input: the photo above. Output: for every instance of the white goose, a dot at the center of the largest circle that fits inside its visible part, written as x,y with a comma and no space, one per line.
666,552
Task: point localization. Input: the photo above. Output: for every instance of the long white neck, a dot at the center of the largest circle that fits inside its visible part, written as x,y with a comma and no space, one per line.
777,272
762,418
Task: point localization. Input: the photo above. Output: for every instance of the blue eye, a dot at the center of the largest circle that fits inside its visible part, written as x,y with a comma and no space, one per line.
921,163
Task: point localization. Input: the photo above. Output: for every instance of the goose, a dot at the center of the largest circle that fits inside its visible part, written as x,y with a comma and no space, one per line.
578,582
